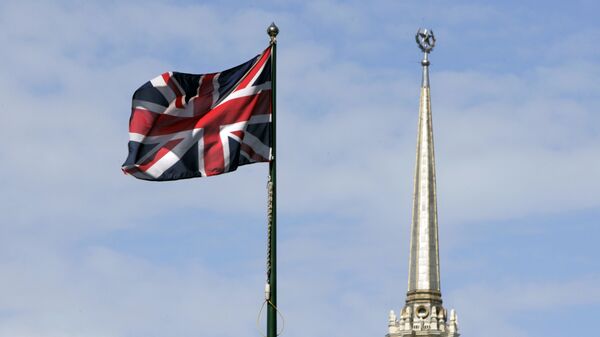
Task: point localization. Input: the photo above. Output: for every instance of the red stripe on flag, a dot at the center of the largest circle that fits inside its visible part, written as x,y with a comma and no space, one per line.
204,100
170,81
142,121
159,154
263,59
214,162
130,170
239,134
255,156
237,110
233,111
149,123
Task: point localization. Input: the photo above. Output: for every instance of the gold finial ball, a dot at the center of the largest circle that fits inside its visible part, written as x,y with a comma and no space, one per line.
272,30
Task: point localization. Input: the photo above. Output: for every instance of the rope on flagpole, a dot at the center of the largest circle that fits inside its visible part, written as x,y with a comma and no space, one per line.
267,300
269,227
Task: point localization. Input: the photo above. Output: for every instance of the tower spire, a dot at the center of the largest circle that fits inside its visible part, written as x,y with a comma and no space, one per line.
424,271
423,313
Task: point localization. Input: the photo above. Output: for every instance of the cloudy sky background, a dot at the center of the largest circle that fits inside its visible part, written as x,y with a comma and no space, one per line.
86,251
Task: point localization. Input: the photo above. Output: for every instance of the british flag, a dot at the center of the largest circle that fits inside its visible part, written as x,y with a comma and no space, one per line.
186,125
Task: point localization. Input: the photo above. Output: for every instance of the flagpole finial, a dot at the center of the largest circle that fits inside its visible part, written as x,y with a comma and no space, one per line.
426,41
272,30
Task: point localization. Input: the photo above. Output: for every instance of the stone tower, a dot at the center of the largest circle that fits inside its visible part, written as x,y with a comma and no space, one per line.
423,313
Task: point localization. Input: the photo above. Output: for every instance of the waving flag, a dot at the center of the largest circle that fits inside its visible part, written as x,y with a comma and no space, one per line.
186,125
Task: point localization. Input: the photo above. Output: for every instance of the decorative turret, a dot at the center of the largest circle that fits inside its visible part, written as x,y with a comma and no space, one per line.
423,314
393,326
453,324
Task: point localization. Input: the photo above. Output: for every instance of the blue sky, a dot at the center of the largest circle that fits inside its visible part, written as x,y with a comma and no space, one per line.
86,251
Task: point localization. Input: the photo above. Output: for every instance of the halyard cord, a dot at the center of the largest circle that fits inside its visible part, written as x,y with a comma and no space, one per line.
269,225
269,233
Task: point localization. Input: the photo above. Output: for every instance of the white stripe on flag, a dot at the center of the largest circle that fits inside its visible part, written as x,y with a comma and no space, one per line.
259,147
248,91
216,86
153,107
159,83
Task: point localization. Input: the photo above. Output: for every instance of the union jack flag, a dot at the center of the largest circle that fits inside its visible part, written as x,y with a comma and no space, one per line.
186,125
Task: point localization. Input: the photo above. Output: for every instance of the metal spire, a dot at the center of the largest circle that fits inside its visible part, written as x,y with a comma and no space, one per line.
423,314
424,270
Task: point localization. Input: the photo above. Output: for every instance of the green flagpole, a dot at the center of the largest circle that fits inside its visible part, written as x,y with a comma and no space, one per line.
271,291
